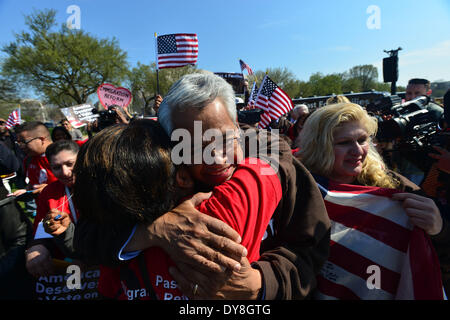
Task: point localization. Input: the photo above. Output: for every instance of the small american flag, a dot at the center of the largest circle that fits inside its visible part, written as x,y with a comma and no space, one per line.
253,94
177,50
272,99
13,119
246,67
369,229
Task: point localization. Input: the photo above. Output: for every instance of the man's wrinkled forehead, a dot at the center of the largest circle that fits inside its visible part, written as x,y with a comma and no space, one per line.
212,116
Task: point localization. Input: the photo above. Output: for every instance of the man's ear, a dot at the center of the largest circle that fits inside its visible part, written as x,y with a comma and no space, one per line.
429,92
183,178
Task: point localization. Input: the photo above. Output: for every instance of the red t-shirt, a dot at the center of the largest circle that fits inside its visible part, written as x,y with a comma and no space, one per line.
53,196
246,202
38,170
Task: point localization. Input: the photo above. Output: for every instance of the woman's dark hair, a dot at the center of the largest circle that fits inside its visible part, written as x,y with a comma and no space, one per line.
59,128
125,175
61,145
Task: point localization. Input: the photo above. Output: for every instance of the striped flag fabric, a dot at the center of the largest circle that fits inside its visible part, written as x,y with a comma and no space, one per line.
370,232
272,99
177,50
13,119
253,94
245,66
264,120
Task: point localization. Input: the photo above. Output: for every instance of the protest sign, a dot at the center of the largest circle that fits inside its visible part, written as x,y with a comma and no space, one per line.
109,95
57,286
80,114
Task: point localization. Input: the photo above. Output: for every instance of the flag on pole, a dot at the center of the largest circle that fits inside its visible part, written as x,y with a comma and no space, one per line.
13,119
272,99
246,67
176,50
371,233
253,94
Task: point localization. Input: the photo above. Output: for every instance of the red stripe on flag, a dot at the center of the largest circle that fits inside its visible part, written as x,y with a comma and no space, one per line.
377,227
335,290
178,57
425,267
357,264
333,186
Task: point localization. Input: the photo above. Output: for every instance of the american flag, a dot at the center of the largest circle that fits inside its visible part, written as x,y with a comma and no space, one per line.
13,119
253,94
272,99
245,66
370,229
177,50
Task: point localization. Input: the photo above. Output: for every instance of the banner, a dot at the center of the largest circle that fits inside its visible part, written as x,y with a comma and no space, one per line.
109,95
80,114
59,285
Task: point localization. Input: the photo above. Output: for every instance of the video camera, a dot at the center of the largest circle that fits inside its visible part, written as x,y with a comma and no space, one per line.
410,123
106,118
405,120
251,116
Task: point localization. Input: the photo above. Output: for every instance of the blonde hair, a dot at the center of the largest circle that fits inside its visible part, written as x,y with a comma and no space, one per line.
316,143
337,99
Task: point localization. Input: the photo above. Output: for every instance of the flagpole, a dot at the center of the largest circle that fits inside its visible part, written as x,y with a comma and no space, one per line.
157,69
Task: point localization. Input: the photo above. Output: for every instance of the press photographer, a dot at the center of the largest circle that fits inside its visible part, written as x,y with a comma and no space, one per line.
106,118
411,128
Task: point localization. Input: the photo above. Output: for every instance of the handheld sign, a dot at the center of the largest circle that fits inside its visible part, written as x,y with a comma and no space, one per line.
109,95
80,114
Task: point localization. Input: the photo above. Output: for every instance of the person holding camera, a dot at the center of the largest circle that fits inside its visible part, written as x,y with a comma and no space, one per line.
405,159
422,87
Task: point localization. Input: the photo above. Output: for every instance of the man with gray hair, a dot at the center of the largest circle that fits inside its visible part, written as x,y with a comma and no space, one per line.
295,246
299,111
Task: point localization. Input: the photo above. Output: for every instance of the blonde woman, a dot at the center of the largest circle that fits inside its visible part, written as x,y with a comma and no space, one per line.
374,220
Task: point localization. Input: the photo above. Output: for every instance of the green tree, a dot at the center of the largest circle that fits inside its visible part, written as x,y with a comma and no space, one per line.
142,81
367,74
64,67
321,85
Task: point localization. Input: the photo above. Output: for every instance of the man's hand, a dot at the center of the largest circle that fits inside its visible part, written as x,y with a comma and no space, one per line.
56,226
244,284
443,158
38,261
422,211
193,238
197,239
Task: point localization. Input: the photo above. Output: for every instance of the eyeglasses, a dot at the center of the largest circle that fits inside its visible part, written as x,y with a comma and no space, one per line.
21,143
2,122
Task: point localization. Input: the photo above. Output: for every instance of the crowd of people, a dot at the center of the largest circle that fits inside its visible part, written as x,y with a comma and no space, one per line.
292,222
